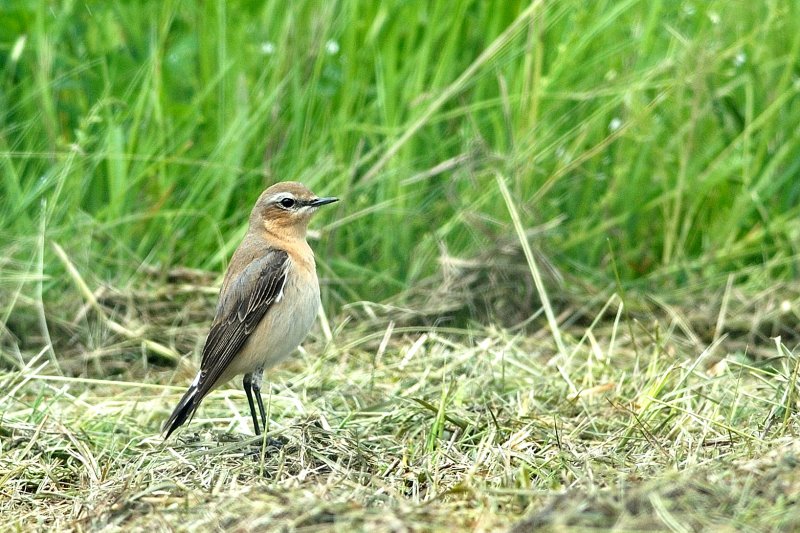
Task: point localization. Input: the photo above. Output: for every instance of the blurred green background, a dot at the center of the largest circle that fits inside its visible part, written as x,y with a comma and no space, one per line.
658,140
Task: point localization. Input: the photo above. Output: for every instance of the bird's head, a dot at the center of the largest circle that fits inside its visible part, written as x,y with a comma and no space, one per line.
285,208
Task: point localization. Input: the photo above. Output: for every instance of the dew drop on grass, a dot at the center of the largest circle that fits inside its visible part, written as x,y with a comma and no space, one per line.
332,47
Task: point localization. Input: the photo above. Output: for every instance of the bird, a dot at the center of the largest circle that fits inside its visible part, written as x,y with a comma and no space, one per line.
267,304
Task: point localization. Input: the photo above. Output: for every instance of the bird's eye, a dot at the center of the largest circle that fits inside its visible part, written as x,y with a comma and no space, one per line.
287,202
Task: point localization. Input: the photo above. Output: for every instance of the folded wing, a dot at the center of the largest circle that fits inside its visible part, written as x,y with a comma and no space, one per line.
248,298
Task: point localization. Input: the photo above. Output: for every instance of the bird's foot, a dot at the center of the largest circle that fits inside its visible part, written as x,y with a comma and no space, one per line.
269,446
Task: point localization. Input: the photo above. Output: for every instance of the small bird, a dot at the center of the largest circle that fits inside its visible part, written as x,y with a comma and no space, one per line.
268,301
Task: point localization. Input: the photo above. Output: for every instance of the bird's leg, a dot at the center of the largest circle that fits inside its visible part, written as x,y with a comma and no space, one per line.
248,385
256,384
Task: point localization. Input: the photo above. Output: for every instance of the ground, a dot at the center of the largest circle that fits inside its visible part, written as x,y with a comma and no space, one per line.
379,425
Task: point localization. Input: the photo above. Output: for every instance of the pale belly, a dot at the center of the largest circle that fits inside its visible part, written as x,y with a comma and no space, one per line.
282,329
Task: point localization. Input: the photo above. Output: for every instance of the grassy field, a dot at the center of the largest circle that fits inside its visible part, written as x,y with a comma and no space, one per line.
560,290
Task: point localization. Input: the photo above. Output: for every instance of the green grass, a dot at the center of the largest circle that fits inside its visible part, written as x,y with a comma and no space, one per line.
149,130
424,428
648,150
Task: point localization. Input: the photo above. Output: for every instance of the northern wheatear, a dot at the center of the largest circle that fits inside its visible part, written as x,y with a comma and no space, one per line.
268,301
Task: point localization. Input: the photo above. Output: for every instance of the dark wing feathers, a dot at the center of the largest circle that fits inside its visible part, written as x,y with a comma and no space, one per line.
240,309
243,306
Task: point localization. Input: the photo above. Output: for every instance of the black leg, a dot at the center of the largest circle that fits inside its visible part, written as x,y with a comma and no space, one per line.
256,385
247,383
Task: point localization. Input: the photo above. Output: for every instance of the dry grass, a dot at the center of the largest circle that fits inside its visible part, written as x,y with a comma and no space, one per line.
649,421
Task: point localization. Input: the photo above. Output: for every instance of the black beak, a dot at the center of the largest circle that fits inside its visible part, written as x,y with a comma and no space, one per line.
322,201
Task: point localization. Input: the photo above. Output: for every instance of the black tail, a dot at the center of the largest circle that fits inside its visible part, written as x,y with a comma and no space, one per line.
183,412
